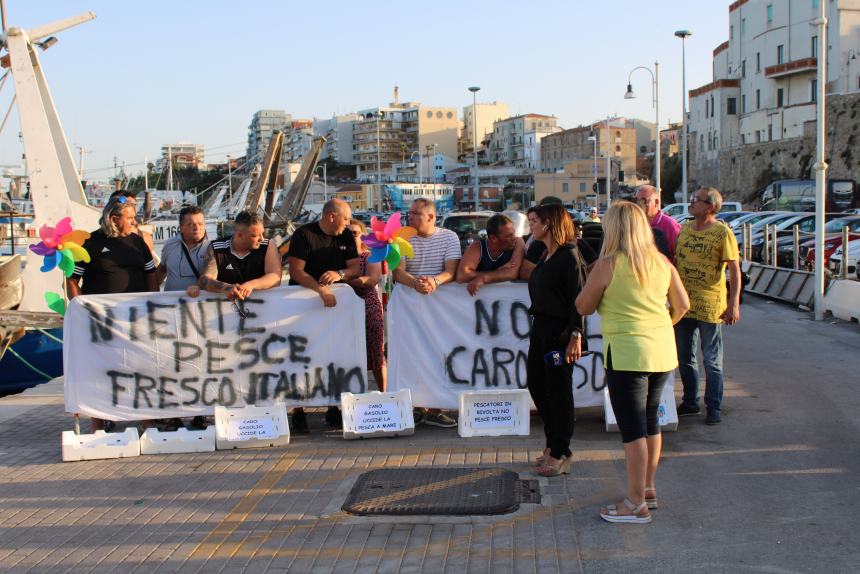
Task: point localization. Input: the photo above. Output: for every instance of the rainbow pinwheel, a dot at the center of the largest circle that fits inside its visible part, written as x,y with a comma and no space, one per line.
389,241
61,246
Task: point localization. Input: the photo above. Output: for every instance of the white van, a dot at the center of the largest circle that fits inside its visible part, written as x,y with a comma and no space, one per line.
676,209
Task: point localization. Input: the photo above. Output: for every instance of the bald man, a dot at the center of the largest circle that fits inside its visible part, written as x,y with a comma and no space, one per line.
323,253
648,199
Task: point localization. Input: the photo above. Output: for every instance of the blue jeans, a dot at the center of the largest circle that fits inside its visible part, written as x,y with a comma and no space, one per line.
687,333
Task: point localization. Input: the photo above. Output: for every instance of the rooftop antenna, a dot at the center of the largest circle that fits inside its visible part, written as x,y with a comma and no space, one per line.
396,93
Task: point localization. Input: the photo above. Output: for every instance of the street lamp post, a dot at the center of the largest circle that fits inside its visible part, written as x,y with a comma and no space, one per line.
325,181
229,179
429,171
683,35
655,93
820,165
474,90
593,139
608,165
378,115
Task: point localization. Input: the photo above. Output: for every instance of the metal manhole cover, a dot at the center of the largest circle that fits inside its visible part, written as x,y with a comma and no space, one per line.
438,491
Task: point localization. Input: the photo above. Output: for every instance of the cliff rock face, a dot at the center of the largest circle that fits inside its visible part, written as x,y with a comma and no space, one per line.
741,172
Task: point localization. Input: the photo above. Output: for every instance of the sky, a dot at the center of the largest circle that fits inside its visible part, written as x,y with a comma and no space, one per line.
147,73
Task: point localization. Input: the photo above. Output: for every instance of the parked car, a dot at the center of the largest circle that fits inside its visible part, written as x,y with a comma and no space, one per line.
675,209
805,222
832,238
468,225
758,226
728,216
750,218
520,221
853,255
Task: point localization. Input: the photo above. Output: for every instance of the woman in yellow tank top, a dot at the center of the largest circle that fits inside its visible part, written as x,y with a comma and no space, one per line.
630,286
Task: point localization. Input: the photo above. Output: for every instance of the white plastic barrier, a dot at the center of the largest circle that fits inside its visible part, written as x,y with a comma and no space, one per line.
377,414
100,445
668,413
494,413
182,440
843,299
251,427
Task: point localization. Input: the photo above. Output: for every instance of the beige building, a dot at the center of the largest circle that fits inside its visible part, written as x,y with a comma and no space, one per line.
485,115
574,183
400,131
516,141
558,149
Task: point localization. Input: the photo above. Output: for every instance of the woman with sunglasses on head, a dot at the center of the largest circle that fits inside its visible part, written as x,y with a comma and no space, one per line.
556,337
630,286
120,262
365,287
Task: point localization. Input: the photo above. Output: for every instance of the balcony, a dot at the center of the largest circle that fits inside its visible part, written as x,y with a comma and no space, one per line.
791,68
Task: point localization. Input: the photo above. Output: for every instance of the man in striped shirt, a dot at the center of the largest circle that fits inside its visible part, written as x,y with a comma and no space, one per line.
437,251
437,254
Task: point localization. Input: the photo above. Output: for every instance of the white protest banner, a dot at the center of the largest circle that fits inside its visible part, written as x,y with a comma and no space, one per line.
448,342
159,355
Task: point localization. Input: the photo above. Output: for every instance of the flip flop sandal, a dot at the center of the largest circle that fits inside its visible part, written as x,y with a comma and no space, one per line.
638,513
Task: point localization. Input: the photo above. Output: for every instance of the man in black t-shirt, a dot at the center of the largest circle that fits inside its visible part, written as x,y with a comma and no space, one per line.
243,262
323,252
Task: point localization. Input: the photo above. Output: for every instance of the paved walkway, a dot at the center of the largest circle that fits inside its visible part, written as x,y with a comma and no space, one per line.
774,489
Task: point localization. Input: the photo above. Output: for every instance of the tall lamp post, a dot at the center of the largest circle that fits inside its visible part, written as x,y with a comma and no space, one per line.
593,139
820,165
378,115
474,90
608,165
229,178
683,35
655,94
325,181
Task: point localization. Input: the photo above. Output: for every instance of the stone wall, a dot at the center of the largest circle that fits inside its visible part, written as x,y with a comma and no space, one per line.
741,172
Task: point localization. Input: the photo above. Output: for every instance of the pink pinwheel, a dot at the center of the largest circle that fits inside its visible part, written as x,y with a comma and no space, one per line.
61,246
389,241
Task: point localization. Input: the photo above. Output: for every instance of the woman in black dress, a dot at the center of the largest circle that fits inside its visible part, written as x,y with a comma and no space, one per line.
556,336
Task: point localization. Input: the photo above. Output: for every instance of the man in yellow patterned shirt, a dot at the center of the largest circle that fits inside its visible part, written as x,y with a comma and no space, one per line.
705,248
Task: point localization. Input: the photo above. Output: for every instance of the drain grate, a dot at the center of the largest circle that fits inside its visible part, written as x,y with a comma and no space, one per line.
439,491
527,492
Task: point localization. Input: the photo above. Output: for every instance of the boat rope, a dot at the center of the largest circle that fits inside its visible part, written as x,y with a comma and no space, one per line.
50,336
27,363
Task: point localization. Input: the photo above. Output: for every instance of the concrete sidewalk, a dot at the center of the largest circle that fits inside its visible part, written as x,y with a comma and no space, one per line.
773,489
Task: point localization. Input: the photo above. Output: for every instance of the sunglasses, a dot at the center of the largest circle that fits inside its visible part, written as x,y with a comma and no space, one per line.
695,199
239,306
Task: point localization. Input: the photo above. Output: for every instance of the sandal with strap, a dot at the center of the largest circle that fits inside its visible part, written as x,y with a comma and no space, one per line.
651,497
638,513
539,461
549,470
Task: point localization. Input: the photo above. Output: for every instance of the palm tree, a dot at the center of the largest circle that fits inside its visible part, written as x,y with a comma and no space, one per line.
403,149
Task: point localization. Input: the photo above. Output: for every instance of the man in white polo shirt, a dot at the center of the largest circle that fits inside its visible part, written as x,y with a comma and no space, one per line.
437,254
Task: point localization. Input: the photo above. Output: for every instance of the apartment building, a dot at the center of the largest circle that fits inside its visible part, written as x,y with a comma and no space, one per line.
338,134
516,141
393,134
622,145
764,80
298,137
263,124
183,155
484,115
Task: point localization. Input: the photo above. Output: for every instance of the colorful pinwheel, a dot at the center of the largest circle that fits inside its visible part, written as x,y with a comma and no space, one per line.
61,246
389,241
